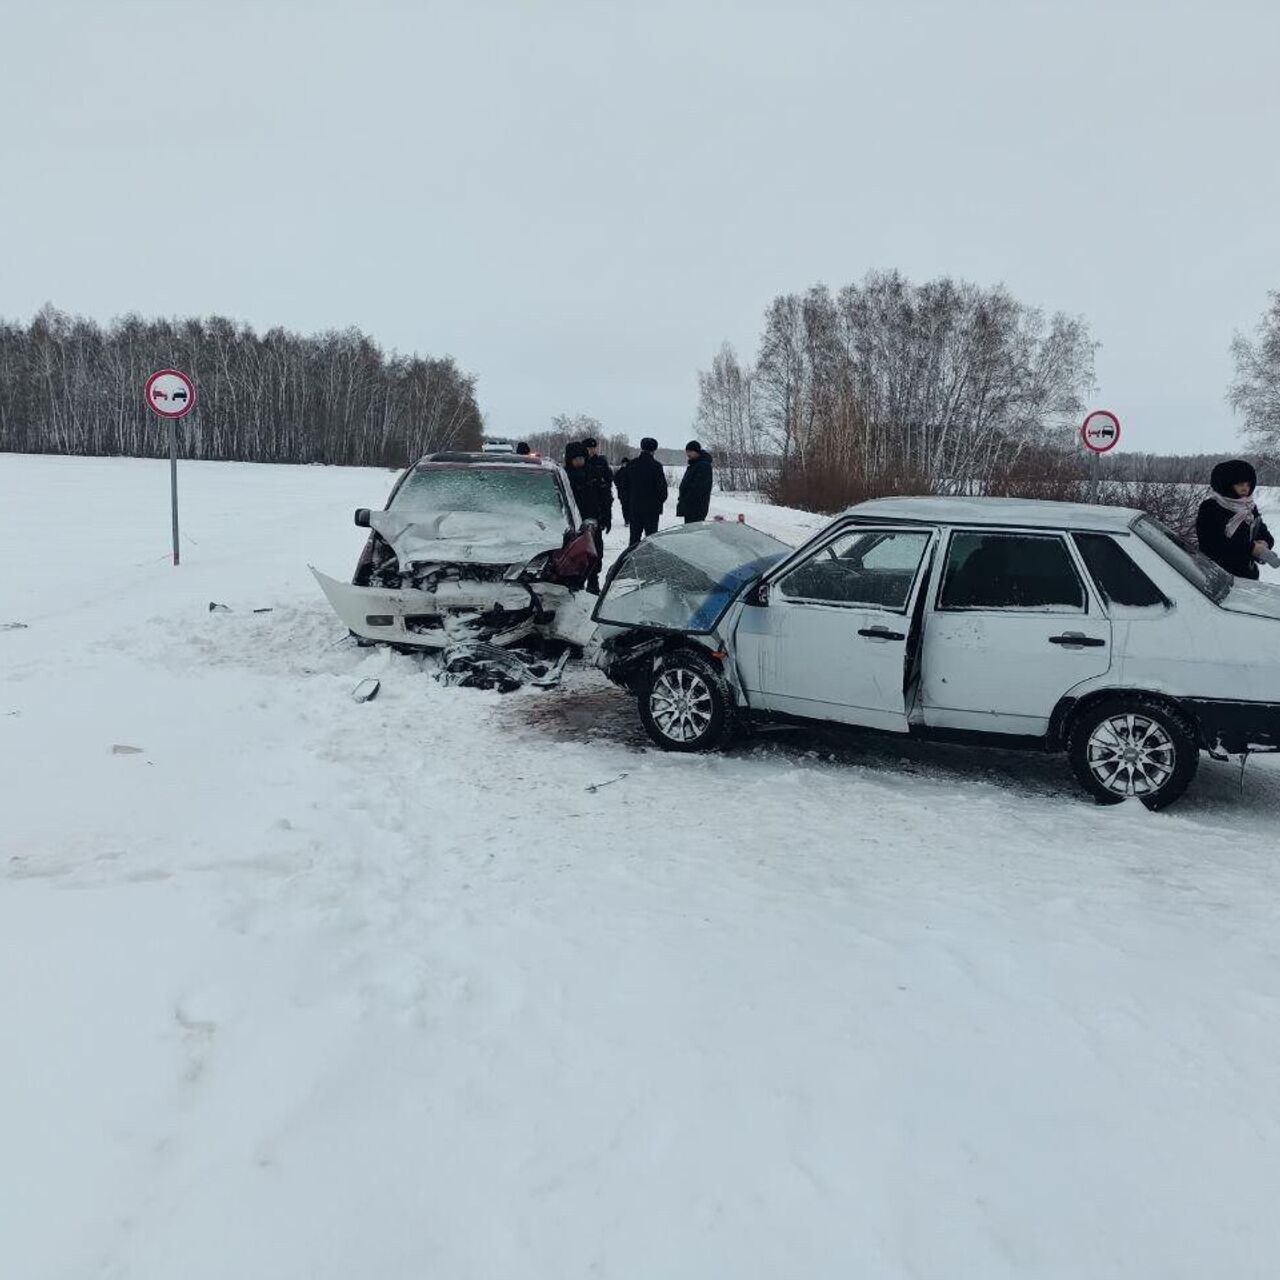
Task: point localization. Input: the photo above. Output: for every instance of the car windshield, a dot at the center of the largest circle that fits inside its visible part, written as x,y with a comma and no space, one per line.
1208,578
684,579
500,491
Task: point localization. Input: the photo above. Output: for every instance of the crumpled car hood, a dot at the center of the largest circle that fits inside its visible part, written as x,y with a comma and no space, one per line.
1262,599
465,537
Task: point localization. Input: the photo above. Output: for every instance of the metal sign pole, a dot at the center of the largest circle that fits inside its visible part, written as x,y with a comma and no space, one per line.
173,482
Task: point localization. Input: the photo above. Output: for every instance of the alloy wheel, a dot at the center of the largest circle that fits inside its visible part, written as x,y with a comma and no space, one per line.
681,704
1131,755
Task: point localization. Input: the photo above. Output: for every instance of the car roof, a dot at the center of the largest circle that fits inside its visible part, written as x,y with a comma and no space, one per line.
1027,513
458,458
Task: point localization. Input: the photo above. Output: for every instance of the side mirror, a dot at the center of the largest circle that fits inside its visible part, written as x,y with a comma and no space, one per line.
362,517
759,595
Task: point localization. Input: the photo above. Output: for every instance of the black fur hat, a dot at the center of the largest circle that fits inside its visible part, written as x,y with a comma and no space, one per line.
1226,475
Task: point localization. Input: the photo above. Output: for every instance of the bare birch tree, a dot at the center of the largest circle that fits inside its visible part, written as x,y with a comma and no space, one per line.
1255,391
69,386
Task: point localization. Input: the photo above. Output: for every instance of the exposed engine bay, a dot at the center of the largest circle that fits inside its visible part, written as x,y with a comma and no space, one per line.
506,586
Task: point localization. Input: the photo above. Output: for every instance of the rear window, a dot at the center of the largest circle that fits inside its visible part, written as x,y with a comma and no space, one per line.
1207,578
491,490
1114,573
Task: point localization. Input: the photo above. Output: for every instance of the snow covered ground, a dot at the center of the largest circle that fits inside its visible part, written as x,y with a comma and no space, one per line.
303,988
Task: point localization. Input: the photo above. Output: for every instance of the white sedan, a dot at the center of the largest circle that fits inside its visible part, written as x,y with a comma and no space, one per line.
1055,626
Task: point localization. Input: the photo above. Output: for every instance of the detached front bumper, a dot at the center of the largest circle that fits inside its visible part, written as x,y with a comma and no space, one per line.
500,613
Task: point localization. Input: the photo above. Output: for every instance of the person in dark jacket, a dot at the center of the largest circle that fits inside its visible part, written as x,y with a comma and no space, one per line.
646,491
695,485
620,484
602,476
586,496
523,449
1228,527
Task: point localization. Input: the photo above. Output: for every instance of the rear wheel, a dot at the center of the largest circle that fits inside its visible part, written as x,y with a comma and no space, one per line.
685,703
1133,747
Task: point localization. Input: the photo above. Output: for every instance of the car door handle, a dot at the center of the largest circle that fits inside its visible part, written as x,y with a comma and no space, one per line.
1077,640
880,633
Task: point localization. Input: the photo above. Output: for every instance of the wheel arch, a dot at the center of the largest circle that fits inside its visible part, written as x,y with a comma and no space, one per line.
629,664
1072,706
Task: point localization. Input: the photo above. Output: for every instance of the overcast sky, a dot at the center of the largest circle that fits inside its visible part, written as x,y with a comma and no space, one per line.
580,202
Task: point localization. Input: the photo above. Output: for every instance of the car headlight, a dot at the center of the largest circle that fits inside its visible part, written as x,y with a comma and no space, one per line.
532,569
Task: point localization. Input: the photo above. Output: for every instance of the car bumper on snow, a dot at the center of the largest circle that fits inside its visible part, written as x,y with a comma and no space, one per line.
500,613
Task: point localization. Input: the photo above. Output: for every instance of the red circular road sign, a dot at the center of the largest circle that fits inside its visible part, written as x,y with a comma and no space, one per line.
170,394
1100,431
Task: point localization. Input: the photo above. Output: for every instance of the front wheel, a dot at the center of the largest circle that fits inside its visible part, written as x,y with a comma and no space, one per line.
685,704
1128,747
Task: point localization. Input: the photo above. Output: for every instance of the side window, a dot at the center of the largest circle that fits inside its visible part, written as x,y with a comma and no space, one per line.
1011,571
873,567
1118,579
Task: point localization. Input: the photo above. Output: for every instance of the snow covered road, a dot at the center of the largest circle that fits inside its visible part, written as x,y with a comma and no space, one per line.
305,988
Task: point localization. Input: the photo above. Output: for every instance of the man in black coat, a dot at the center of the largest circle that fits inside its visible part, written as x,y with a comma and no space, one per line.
620,484
695,485
646,491
586,496
1228,527
602,478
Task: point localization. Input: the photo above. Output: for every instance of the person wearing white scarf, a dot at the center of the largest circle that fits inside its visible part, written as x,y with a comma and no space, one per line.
1229,527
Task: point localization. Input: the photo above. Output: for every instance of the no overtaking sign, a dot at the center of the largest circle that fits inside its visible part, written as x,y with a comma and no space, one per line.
171,395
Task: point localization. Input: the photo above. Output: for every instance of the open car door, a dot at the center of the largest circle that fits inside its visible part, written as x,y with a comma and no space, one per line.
830,634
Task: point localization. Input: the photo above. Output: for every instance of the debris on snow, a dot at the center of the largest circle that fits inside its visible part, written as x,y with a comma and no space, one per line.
595,786
366,690
473,664
123,749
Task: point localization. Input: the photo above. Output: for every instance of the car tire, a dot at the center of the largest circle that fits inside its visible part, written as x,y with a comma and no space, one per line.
1135,747
685,703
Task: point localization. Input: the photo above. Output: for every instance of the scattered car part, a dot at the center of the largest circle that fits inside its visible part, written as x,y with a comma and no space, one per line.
476,664
366,690
593,787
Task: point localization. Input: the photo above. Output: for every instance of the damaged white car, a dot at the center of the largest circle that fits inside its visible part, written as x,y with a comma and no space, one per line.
471,547
1085,629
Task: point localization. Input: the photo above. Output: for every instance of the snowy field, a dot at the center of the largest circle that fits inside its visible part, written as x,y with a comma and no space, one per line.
306,989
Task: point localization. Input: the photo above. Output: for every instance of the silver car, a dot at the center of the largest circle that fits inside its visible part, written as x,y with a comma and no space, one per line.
1085,629
471,547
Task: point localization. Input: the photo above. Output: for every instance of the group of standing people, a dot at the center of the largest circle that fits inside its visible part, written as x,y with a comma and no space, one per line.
641,486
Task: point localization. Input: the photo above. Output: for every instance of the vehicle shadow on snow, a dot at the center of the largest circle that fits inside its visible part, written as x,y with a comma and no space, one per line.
591,710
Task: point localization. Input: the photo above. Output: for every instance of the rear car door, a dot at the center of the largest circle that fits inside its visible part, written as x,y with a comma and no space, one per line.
1014,627
831,642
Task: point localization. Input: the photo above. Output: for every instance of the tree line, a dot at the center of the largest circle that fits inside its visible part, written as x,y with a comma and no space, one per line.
890,386
945,387
68,385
